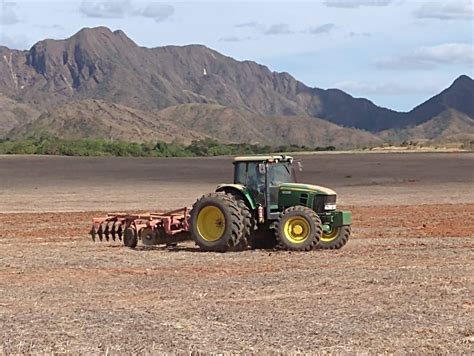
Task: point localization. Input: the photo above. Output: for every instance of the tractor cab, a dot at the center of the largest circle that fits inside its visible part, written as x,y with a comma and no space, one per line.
263,176
270,182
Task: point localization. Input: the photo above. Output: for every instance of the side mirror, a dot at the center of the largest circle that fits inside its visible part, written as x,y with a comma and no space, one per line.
261,168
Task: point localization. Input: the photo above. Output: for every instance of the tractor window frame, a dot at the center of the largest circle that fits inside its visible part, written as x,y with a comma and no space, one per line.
242,170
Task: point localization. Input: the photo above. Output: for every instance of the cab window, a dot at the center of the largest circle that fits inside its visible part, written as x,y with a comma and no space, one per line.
246,172
280,173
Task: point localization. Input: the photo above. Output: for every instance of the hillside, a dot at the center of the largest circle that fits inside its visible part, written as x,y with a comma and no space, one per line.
14,114
98,119
187,122
459,97
449,126
232,125
60,83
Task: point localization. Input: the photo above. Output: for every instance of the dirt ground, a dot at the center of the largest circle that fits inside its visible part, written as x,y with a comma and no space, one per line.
403,283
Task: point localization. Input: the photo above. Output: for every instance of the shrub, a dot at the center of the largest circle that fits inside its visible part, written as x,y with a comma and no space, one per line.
48,145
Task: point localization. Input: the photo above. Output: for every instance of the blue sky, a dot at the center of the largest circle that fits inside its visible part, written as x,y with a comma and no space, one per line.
397,53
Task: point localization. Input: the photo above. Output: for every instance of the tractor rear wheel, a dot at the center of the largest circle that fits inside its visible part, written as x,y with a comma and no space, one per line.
335,238
216,222
298,229
248,222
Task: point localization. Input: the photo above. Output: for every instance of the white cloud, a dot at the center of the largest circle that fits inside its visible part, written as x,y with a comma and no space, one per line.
157,11
449,10
381,88
352,4
251,24
326,28
278,29
8,14
427,57
105,9
234,39
357,34
112,9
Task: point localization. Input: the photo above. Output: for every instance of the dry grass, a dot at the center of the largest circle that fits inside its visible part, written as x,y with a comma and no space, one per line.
401,292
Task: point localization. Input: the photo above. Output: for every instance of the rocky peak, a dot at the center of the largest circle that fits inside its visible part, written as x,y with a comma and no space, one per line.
462,82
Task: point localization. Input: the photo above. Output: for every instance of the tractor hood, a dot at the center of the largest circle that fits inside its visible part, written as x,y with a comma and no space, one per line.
307,187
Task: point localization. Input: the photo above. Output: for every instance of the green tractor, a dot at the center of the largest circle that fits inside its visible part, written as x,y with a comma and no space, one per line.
266,208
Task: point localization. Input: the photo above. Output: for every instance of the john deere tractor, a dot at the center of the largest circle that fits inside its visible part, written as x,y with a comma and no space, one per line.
266,208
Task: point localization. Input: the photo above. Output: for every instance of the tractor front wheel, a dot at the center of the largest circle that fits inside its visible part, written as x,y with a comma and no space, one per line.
335,238
216,222
298,229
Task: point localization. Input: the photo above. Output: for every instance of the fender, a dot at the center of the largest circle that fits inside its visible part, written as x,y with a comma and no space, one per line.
239,190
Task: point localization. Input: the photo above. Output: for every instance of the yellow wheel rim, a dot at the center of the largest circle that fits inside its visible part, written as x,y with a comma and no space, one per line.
330,236
211,223
297,229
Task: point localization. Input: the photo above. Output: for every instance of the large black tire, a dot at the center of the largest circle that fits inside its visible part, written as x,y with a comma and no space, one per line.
248,222
336,239
298,229
216,222
130,237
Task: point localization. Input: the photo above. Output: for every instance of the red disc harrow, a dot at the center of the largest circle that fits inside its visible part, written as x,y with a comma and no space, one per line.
151,228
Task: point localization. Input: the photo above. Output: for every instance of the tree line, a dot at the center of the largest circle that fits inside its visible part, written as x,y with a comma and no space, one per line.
48,145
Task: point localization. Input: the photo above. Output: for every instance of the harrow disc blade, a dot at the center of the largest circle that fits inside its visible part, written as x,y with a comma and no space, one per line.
106,231
100,232
119,231
113,231
93,233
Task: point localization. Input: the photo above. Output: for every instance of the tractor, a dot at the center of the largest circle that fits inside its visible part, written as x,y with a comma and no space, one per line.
263,208
266,208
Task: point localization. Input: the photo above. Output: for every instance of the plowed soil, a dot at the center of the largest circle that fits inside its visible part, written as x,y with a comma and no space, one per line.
403,283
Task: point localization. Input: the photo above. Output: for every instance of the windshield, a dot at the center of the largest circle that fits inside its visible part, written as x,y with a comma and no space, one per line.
280,173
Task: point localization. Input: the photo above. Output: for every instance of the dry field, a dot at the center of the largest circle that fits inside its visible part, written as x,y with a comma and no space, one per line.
403,284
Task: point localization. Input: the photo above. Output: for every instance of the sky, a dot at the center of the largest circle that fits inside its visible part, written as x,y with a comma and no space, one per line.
397,53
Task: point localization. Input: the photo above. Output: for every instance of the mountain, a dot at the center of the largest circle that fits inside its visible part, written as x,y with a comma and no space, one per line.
459,96
58,79
101,64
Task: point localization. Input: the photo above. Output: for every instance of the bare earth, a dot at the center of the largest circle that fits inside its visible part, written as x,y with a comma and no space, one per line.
403,283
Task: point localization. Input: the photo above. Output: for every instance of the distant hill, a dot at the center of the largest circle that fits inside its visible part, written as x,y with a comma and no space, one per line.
14,113
459,96
186,92
99,119
449,126
187,122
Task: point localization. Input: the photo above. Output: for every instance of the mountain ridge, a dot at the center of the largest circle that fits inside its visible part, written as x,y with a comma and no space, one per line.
98,64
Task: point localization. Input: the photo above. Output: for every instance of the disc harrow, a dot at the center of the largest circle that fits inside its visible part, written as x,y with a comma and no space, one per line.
151,228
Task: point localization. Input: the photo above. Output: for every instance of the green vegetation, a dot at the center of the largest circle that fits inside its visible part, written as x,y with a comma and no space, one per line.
47,145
